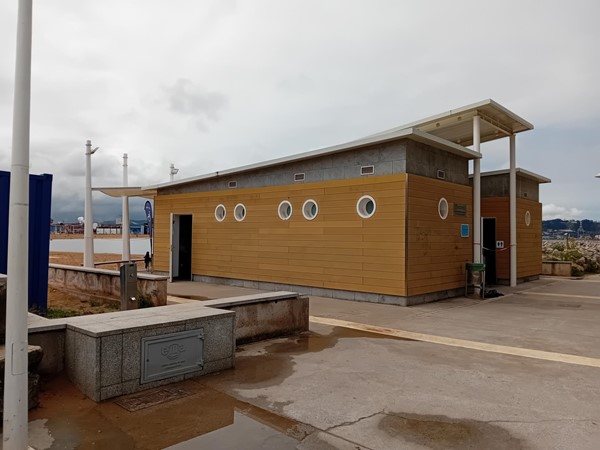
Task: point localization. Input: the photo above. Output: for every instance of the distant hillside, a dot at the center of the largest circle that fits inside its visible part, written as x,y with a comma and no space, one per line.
589,226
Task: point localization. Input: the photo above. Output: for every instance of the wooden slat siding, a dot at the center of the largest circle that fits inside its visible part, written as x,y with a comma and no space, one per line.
529,238
336,250
436,252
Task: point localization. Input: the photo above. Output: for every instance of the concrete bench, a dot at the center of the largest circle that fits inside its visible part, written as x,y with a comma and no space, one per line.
556,268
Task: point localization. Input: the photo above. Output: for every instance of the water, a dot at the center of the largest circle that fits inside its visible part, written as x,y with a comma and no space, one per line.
138,246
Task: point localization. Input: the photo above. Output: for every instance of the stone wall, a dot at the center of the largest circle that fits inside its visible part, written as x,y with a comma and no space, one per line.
105,284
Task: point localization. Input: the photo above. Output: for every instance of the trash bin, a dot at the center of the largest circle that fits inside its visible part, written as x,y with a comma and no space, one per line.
475,277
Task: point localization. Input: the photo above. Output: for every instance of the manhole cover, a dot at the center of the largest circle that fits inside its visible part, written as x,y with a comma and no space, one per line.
141,400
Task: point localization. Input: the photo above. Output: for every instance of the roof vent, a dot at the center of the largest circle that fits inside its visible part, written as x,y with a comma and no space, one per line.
460,209
232,184
441,174
524,194
299,177
367,170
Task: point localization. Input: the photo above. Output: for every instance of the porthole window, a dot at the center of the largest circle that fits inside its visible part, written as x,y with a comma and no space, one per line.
220,213
310,209
366,206
527,218
443,208
285,210
239,212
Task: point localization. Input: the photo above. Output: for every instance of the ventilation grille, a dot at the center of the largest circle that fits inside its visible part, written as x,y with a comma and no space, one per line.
299,177
441,174
525,195
232,184
460,209
367,170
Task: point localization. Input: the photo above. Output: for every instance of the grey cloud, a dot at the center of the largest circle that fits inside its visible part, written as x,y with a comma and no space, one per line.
184,97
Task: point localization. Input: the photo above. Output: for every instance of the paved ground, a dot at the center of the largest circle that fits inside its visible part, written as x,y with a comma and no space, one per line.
519,371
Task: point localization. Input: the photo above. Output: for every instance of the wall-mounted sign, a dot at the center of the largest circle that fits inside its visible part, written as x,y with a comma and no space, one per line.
464,230
499,244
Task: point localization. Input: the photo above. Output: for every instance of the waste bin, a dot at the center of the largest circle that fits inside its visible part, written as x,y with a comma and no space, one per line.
129,297
475,277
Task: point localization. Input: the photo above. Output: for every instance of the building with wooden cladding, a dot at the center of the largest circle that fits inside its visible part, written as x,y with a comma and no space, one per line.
496,225
387,218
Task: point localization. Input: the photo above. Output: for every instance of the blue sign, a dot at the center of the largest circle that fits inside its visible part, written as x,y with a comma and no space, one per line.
464,230
148,210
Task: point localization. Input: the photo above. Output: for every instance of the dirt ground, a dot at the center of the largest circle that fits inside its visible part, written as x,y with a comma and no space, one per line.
65,303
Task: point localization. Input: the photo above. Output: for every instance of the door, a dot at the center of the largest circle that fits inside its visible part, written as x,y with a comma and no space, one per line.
180,267
489,249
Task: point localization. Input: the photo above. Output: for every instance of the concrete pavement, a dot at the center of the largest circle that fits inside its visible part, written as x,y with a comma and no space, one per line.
424,377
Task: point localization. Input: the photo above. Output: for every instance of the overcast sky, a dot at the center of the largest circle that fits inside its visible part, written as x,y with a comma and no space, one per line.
211,85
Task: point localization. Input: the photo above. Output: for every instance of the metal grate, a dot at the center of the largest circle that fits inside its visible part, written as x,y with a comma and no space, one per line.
441,174
367,170
232,184
299,177
460,209
146,399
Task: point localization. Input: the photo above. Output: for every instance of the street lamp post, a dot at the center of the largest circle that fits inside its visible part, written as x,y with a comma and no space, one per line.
88,237
173,171
16,346
125,218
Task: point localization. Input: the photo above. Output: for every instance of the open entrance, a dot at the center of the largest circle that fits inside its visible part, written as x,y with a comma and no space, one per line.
489,249
181,247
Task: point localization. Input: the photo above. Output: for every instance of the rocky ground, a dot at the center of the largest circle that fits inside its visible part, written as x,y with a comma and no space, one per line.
583,254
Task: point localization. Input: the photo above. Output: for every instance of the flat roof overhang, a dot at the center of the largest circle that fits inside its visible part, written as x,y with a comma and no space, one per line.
457,125
126,191
412,134
521,172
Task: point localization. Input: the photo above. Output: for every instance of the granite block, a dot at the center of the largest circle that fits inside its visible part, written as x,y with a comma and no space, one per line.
219,339
111,391
131,355
111,359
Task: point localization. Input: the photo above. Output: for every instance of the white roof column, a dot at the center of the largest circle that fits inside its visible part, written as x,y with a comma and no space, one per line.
513,210
476,192
125,216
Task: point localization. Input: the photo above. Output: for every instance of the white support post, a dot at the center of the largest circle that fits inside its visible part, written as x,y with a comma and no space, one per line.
16,346
125,218
476,192
513,211
88,235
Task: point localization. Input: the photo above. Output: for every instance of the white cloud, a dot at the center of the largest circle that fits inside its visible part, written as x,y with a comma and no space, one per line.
552,211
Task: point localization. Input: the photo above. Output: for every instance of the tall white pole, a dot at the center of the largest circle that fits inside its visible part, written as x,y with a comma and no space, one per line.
125,218
476,192
513,210
16,364
173,171
88,236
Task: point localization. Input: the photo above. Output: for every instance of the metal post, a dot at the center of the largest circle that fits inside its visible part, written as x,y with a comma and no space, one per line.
513,210
125,218
88,236
173,171
16,364
476,192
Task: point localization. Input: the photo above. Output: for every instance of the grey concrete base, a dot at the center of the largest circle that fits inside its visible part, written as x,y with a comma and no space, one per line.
34,356
335,293
506,282
103,353
264,316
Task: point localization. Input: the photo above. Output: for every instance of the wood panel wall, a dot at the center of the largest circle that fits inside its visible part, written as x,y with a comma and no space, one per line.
529,238
336,250
436,251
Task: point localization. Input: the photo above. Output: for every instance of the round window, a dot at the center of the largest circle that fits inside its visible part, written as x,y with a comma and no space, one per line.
220,213
366,206
285,210
527,218
239,212
443,208
310,209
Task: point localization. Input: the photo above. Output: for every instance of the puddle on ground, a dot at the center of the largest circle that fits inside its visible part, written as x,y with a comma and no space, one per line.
276,363
442,433
204,419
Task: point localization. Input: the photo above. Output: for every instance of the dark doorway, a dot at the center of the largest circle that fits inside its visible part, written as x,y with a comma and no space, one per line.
489,249
181,258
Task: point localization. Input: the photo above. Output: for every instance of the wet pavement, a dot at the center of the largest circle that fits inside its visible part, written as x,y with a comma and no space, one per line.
340,388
